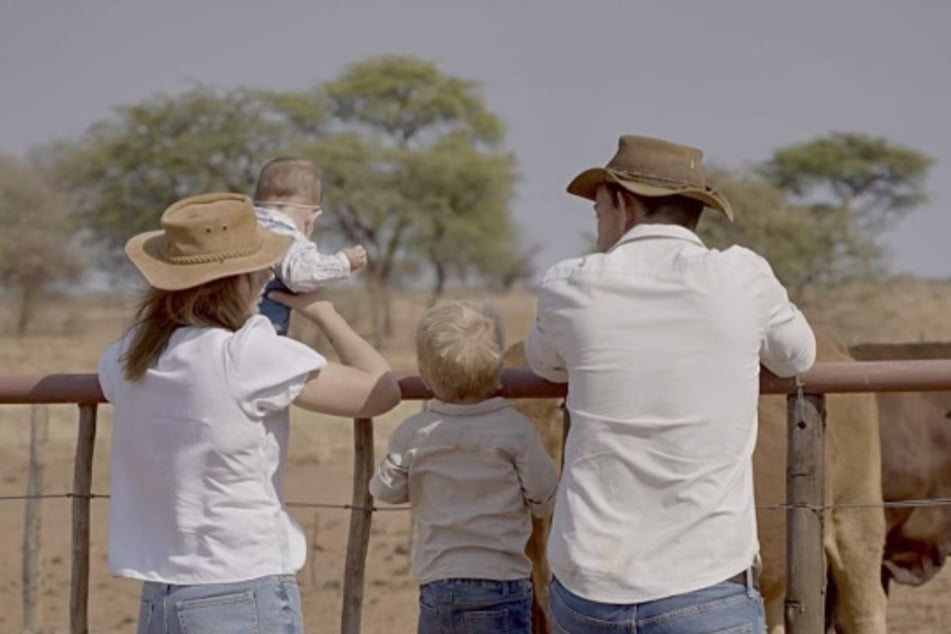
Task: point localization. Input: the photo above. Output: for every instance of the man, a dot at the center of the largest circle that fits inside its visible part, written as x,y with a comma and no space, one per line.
660,340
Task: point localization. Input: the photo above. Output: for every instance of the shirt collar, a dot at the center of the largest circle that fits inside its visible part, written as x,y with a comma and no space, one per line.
653,230
275,215
468,409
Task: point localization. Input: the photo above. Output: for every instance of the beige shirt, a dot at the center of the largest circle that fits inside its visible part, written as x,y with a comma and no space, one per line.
474,475
660,340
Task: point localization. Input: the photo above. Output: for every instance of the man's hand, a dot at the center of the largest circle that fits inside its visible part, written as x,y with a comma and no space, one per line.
357,256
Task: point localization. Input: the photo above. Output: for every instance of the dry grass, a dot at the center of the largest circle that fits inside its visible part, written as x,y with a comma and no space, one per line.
70,332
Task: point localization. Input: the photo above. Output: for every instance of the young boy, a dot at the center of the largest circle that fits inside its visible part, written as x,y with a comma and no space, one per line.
287,200
474,472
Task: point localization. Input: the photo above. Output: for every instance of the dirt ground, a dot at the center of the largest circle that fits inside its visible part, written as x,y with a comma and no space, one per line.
320,472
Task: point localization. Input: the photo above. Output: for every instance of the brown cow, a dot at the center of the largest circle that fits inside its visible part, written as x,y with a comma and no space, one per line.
853,538
916,464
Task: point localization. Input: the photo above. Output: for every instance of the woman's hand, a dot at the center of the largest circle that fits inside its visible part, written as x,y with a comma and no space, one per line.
314,306
361,385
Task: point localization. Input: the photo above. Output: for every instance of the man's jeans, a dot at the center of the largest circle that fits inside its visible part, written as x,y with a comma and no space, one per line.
268,604
727,607
475,606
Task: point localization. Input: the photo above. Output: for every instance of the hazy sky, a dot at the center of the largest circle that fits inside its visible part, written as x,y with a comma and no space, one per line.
737,78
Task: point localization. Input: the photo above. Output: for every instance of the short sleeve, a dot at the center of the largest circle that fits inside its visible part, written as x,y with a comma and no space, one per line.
106,371
265,371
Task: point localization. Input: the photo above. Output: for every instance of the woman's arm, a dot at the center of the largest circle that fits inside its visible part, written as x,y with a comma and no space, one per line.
361,385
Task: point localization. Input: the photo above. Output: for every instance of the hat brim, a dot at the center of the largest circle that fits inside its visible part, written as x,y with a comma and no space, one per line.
586,184
145,252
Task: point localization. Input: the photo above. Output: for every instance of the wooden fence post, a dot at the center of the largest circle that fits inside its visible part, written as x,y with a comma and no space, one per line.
805,494
39,424
360,518
82,488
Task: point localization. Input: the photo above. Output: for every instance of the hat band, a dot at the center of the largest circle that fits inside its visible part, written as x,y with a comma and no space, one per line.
661,180
220,256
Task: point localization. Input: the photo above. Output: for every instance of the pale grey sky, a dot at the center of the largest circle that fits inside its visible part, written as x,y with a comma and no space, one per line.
737,78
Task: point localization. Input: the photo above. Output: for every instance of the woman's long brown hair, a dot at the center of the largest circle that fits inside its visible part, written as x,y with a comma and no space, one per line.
218,304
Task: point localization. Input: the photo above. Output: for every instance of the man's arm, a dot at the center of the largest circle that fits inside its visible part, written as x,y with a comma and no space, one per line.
789,345
541,350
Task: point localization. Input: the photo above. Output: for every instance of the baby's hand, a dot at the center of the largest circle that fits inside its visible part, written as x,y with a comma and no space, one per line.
357,256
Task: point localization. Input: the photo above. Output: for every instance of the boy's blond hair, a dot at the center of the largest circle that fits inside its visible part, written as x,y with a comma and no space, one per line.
459,347
288,179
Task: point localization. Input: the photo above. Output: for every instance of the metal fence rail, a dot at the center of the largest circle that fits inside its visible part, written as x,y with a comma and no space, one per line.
805,569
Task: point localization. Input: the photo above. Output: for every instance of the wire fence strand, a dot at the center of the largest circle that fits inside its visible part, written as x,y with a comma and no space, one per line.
896,504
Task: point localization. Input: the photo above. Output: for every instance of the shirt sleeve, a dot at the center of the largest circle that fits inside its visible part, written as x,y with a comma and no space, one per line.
304,268
541,349
266,372
536,472
390,482
108,364
789,345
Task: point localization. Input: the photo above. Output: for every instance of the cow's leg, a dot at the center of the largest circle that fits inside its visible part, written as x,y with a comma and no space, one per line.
854,557
541,574
775,623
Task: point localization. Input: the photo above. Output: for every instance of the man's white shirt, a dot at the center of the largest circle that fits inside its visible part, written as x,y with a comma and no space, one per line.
660,340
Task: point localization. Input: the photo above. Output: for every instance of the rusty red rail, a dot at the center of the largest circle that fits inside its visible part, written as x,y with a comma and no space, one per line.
831,377
803,526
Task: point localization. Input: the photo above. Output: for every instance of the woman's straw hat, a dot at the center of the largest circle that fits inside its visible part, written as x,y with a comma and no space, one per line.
205,238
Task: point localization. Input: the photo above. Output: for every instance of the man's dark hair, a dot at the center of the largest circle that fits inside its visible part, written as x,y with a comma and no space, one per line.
674,209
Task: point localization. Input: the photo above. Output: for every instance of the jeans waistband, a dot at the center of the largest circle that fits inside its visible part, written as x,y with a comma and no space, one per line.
157,588
507,585
746,577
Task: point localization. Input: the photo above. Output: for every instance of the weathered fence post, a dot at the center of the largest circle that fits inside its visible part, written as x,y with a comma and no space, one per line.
82,489
805,558
39,423
360,518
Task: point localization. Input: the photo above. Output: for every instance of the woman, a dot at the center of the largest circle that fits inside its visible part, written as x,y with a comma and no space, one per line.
201,387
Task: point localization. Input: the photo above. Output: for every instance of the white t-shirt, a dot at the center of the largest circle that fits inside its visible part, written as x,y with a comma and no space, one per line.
198,446
660,340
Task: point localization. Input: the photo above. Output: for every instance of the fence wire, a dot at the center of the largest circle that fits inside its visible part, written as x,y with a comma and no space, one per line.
898,504
290,504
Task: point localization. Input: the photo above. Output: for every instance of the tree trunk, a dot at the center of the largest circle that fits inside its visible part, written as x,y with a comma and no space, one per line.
387,298
375,290
439,286
28,296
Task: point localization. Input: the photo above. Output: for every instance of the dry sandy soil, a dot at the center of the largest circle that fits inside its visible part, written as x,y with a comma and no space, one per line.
68,335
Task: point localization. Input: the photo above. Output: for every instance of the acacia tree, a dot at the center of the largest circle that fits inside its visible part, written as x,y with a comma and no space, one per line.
869,181
818,210
414,169
37,244
462,196
805,245
127,168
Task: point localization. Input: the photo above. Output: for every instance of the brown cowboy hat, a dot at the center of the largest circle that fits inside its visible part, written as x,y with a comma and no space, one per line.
652,167
205,238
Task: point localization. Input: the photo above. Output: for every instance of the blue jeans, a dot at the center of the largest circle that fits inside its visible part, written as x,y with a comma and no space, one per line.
279,314
475,606
723,608
267,604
